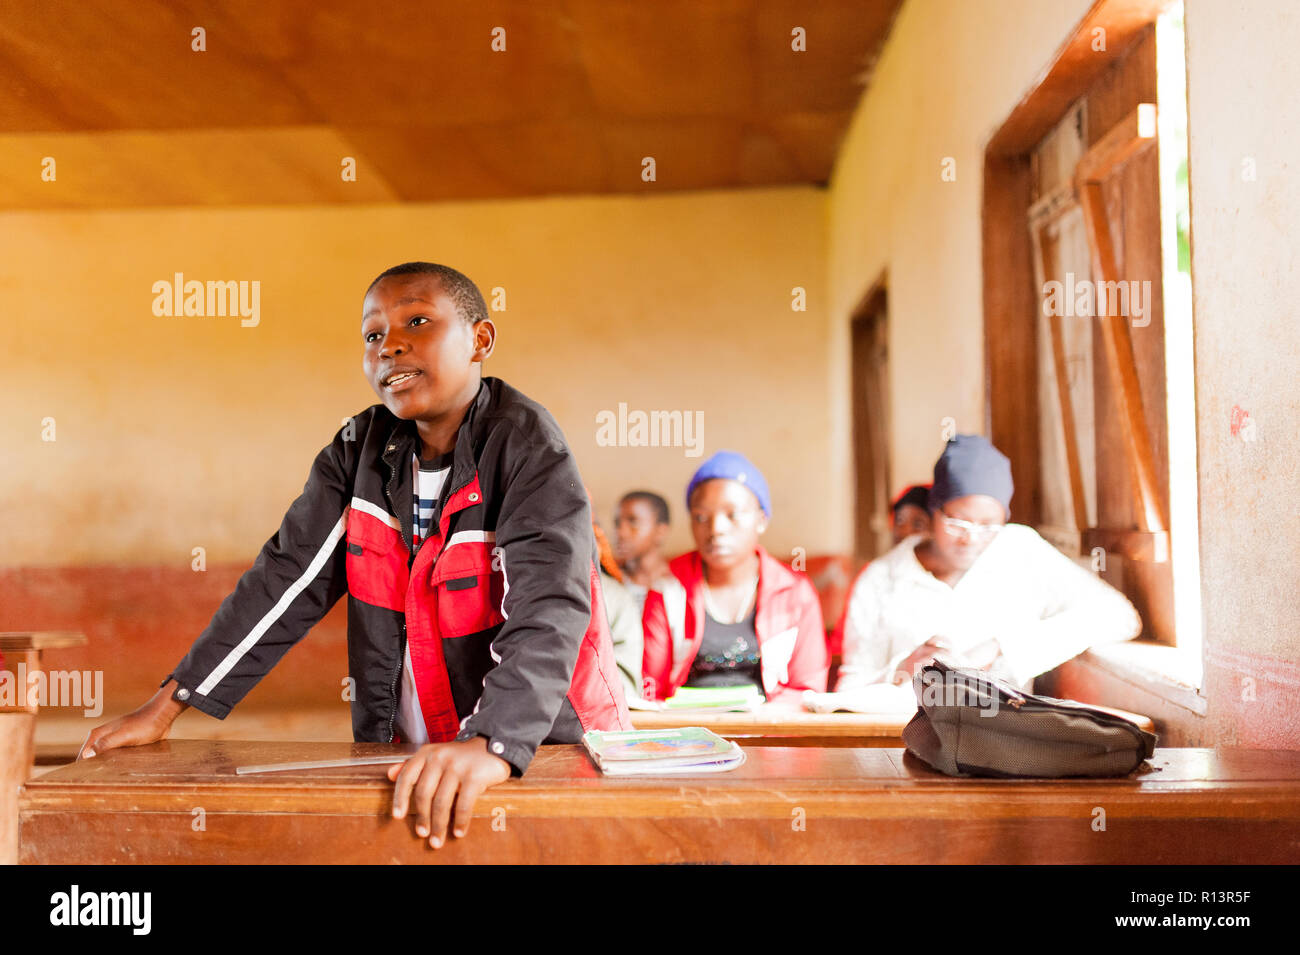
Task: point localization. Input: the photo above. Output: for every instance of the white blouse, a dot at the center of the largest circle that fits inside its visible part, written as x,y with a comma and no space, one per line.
1041,607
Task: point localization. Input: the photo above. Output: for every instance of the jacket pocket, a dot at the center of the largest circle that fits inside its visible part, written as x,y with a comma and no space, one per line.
469,590
376,566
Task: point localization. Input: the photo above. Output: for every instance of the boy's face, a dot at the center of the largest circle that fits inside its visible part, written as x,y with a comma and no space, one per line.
910,519
965,526
637,530
420,355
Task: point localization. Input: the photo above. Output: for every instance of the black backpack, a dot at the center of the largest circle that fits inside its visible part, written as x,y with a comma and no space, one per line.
971,724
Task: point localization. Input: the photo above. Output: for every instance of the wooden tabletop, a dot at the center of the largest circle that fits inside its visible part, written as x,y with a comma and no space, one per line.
785,804
16,641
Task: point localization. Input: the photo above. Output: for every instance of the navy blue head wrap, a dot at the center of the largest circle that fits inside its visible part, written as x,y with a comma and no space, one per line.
971,465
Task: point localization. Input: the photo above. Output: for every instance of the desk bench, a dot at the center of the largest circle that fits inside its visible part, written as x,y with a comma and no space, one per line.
181,802
774,725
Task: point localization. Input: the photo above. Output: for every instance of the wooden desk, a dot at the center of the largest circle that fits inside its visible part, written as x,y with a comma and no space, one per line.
786,804
776,725
18,725
785,727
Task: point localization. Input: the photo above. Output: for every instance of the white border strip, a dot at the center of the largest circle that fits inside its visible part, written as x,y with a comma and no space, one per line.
374,510
472,537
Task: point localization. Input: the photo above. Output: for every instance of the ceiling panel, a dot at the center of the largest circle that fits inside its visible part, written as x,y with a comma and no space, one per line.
415,93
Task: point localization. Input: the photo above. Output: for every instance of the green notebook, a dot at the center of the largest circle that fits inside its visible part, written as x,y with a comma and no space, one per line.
745,697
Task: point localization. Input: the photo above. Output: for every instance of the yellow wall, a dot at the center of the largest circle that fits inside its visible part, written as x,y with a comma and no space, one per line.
1244,137
173,433
948,77
1245,286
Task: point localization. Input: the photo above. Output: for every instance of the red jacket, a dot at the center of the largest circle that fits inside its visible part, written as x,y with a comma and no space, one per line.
788,622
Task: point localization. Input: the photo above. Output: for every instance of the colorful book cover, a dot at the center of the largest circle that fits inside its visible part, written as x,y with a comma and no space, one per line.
690,744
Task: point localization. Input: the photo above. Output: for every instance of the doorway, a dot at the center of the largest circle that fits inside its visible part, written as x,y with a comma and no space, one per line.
870,344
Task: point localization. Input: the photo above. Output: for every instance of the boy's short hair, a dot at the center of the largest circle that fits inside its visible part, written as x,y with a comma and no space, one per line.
656,502
457,286
918,495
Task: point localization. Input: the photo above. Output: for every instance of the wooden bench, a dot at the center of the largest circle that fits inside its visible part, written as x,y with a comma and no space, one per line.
23,653
776,725
182,802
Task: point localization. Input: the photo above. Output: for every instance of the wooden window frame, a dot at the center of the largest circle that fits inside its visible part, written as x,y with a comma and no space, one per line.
1011,348
1144,679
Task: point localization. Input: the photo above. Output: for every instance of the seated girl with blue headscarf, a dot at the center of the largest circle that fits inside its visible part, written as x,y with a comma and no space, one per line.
978,592
732,615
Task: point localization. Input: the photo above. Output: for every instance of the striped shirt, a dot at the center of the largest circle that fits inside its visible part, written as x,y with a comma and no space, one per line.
430,476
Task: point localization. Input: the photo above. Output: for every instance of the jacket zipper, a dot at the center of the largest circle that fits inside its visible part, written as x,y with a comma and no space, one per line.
401,650
401,646
401,659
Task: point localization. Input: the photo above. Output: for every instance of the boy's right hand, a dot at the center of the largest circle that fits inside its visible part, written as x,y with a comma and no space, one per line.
148,724
934,647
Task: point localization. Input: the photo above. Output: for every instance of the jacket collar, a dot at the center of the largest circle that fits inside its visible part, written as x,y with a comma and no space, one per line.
404,440
461,488
773,576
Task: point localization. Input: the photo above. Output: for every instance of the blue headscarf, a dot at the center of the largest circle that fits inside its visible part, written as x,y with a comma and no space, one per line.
732,466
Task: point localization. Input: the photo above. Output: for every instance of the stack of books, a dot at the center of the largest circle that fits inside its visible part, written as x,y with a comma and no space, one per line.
689,750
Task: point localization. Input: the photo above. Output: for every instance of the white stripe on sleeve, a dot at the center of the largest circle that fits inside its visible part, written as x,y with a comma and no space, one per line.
274,614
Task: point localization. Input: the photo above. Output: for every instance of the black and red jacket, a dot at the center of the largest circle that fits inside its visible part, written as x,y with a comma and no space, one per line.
502,604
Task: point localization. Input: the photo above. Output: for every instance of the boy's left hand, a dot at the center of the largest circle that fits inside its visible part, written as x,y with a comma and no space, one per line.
441,774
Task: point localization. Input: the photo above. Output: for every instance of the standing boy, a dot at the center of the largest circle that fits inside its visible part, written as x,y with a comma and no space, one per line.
453,516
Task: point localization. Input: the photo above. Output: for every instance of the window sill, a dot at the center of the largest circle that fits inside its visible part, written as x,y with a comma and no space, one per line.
1163,671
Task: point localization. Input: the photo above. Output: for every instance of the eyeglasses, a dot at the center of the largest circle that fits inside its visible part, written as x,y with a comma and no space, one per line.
977,532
